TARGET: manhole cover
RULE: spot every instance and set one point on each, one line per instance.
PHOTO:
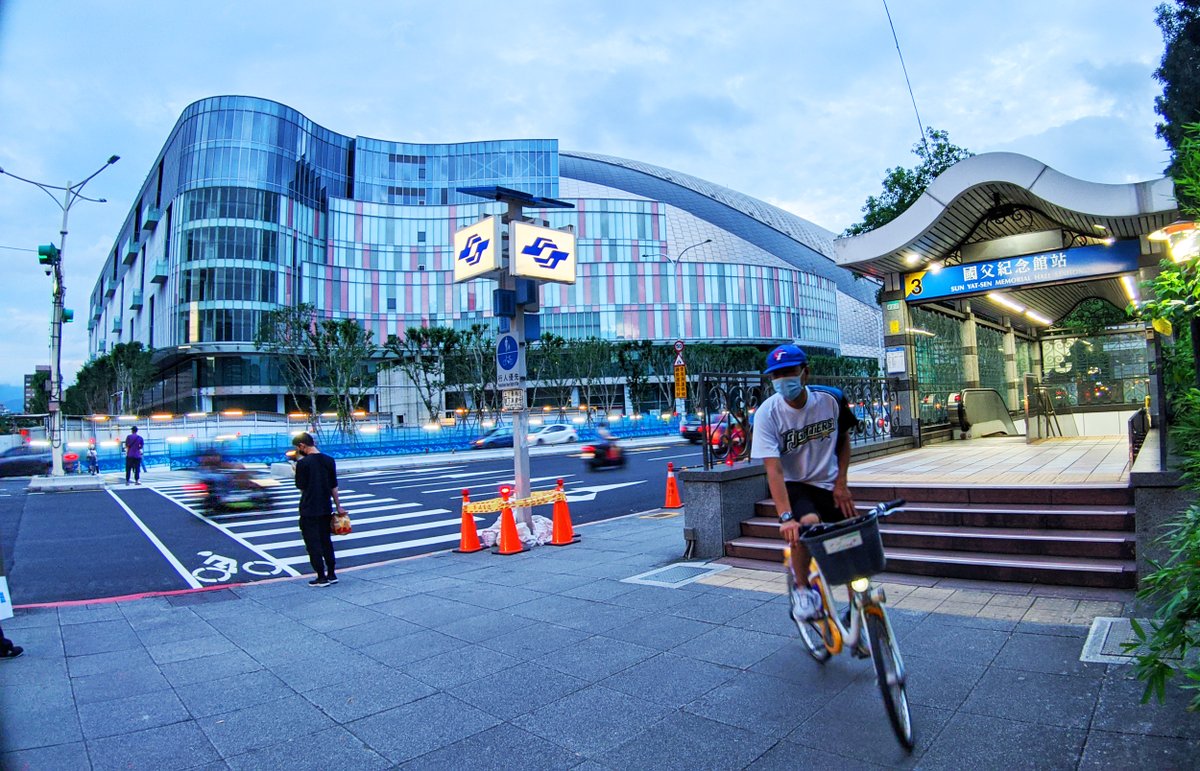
(1106, 641)
(674, 576)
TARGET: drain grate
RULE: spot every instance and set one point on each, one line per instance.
(1105, 642)
(677, 575)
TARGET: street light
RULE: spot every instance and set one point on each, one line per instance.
(1183, 246)
(51, 258)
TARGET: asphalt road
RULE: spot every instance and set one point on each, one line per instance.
(127, 541)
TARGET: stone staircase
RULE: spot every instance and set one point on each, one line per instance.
(1080, 536)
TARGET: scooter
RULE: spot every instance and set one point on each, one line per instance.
(232, 489)
(603, 455)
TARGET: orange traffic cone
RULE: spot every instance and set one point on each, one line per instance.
(673, 501)
(564, 534)
(468, 542)
(510, 542)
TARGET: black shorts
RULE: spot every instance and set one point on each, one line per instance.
(810, 499)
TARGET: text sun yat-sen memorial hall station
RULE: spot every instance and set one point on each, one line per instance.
(1023, 429)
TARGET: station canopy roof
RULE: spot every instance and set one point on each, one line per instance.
(1003, 204)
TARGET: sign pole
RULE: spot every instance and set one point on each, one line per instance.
(521, 416)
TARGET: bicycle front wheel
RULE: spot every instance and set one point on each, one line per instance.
(812, 631)
(889, 673)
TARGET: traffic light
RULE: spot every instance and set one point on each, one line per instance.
(68, 315)
(47, 254)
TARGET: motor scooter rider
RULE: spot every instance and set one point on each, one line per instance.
(608, 442)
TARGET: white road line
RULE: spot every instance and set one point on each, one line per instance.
(375, 533)
(231, 534)
(445, 476)
(503, 481)
(295, 516)
(383, 547)
(175, 563)
(356, 522)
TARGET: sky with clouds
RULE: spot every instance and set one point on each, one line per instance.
(802, 104)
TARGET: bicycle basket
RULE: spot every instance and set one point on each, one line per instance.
(847, 550)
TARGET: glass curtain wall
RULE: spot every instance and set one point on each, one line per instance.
(1098, 369)
(938, 345)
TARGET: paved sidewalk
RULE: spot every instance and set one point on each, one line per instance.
(548, 660)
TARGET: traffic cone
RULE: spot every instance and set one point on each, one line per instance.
(509, 542)
(564, 534)
(673, 501)
(468, 542)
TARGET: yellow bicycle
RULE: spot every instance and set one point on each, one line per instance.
(850, 552)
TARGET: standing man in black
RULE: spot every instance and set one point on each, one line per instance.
(316, 478)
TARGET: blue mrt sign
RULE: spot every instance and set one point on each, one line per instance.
(507, 352)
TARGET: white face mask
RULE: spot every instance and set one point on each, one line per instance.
(789, 387)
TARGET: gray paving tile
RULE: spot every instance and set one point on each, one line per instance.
(262, 725)
(53, 694)
(332, 748)
(977, 741)
(534, 640)
(374, 593)
(190, 671)
(182, 650)
(484, 626)
(716, 609)
(321, 669)
(1120, 710)
(1104, 751)
(99, 637)
(443, 720)
(113, 685)
(854, 724)
(1051, 700)
(1054, 630)
(39, 642)
(554, 609)
(27, 618)
(592, 720)
(769, 617)
(350, 700)
(426, 610)
(602, 617)
(503, 748)
(942, 684)
(650, 598)
(98, 663)
(402, 651)
(89, 614)
(131, 713)
(379, 630)
(60, 757)
(170, 627)
(603, 590)
(731, 646)
(464, 664)
(166, 748)
(23, 729)
(212, 697)
(763, 704)
(517, 690)
(659, 631)
(974, 622)
(597, 657)
(680, 740)
(965, 645)
(670, 680)
(347, 616)
(787, 756)
(793, 662)
(555, 584)
(1042, 653)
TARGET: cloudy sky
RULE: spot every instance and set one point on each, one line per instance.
(797, 102)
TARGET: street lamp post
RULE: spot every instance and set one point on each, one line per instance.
(53, 261)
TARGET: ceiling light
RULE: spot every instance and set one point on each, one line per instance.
(935, 267)
(1039, 318)
(912, 258)
(915, 331)
(1181, 237)
(1131, 290)
(1000, 299)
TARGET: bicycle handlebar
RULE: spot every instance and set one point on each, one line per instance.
(887, 508)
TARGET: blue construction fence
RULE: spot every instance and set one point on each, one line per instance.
(184, 452)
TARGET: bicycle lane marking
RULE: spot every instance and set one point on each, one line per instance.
(284, 568)
(175, 563)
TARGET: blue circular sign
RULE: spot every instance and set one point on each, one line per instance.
(507, 352)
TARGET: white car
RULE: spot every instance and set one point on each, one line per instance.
(555, 433)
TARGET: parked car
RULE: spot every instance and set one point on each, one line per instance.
(500, 436)
(25, 460)
(692, 428)
(553, 433)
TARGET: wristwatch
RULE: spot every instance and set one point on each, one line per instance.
(786, 517)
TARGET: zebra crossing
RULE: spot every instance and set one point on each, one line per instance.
(384, 527)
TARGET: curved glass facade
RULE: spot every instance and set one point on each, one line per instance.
(250, 206)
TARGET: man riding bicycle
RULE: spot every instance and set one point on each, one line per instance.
(802, 435)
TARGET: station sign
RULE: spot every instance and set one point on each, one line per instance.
(1027, 270)
(541, 253)
(477, 249)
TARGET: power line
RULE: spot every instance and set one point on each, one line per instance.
(18, 248)
(920, 125)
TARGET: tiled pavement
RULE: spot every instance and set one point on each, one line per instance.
(548, 660)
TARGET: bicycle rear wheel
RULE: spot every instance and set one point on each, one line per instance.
(813, 631)
(889, 673)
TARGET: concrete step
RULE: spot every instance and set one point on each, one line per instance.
(1019, 515)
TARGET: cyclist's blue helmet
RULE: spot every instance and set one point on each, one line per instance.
(785, 356)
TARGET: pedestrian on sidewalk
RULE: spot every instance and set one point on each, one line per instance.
(133, 456)
(7, 649)
(93, 461)
(316, 479)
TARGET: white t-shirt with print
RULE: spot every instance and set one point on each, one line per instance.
(805, 440)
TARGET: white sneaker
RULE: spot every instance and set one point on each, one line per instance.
(806, 604)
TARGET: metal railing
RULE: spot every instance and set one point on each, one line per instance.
(728, 403)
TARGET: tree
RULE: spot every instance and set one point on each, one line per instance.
(553, 368)
(902, 187)
(474, 368)
(632, 363)
(133, 373)
(588, 361)
(1179, 72)
(127, 369)
(288, 334)
(422, 355)
(343, 349)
